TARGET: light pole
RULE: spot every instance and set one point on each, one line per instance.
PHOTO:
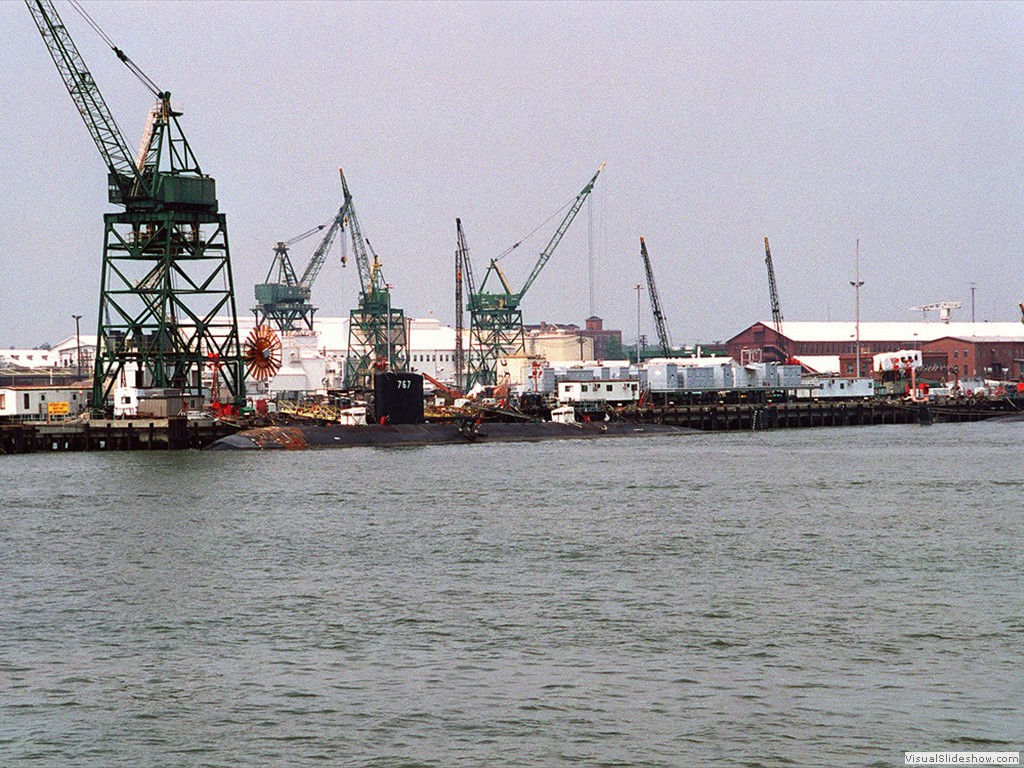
(972, 302)
(78, 343)
(638, 288)
(856, 287)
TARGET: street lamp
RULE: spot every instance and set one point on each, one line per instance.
(78, 343)
(638, 289)
(856, 287)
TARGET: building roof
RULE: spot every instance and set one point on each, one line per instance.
(820, 363)
(984, 339)
(899, 331)
(425, 334)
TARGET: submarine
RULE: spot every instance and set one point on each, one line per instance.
(399, 420)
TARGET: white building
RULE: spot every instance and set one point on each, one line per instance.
(33, 403)
(68, 351)
(29, 358)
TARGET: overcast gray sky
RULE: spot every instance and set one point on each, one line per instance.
(815, 124)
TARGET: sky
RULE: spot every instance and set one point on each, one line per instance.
(815, 124)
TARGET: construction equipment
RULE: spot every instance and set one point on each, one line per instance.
(773, 293)
(496, 320)
(282, 298)
(944, 308)
(463, 272)
(377, 333)
(451, 392)
(659, 317)
(262, 353)
(166, 292)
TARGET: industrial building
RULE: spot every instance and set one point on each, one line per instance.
(950, 350)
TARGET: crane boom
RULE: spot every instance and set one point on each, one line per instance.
(281, 270)
(316, 261)
(773, 292)
(461, 258)
(556, 238)
(124, 175)
(659, 316)
(358, 241)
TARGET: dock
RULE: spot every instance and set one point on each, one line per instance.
(146, 434)
(794, 415)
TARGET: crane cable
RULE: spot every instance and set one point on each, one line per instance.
(304, 235)
(512, 247)
(132, 66)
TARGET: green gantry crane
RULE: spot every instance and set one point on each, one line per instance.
(167, 306)
(284, 298)
(496, 320)
(377, 333)
(281, 298)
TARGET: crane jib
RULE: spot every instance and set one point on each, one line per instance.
(123, 175)
(556, 238)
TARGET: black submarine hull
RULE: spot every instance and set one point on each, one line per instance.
(342, 436)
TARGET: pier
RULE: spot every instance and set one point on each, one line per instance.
(145, 434)
(794, 415)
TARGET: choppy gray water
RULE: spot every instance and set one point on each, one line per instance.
(811, 597)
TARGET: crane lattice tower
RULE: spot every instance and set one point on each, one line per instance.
(167, 305)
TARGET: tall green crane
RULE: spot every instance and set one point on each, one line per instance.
(167, 304)
(377, 333)
(496, 320)
(284, 298)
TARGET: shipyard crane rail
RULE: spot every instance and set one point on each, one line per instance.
(773, 294)
(659, 317)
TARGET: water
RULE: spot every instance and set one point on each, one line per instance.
(809, 597)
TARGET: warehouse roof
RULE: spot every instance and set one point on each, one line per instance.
(903, 331)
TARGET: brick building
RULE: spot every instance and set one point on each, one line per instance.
(949, 350)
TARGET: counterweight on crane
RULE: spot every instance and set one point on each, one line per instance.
(377, 334)
(496, 320)
(773, 292)
(167, 302)
(281, 298)
(659, 317)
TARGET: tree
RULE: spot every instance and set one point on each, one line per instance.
(613, 349)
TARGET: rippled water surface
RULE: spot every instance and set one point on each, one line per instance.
(809, 597)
